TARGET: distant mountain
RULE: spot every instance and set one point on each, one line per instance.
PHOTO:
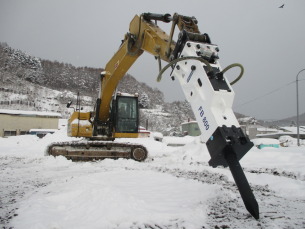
(291, 121)
(14, 64)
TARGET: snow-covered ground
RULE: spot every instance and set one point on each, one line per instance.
(174, 188)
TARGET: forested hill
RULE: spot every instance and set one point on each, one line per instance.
(63, 76)
(51, 74)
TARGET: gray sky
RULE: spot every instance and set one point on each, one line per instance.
(269, 42)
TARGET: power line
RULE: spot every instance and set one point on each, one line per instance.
(266, 94)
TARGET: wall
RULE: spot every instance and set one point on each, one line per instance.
(22, 123)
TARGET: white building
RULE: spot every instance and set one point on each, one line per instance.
(18, 122)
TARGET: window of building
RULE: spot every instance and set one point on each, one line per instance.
(8, 133)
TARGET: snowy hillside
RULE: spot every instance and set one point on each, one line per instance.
(37, 98)
(173, 188)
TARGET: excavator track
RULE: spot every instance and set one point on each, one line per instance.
(97, 150)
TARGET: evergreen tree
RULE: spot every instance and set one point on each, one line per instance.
(144, 101)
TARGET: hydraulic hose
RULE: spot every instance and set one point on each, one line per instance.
(206, 63)
(170, 64)
(232, 66)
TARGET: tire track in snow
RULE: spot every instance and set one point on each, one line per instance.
(17, 181)
(276, 172)
(228, 210)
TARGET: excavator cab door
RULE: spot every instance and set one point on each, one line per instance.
(126, 116)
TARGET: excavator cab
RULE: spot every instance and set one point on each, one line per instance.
(125, 115)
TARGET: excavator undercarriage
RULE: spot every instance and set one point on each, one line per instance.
(96, 150)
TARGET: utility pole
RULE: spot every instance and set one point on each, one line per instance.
(298, 128)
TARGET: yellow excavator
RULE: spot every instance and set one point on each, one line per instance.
(193, 60)
(116, 115)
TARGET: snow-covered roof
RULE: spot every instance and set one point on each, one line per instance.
(184, 123)
(29, 113)
(265, 141)
(267, 129)
(42, 130)
(246, 119)
(127, 94)
(293, 129)
(143, 130)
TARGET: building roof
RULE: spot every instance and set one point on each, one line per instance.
(43, 130)
(264, 141)
(267, 129)
(289, 130)
(143, 130)
(293, 129)
(188, 122)
(29, 113)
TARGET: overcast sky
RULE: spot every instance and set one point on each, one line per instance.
(268, 41)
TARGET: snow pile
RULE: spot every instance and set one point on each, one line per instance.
(289, 141)
(31, 145)
(177, 141)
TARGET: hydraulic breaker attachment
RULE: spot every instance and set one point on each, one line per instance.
(226, 147)
(195, 65)
(242, 183)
